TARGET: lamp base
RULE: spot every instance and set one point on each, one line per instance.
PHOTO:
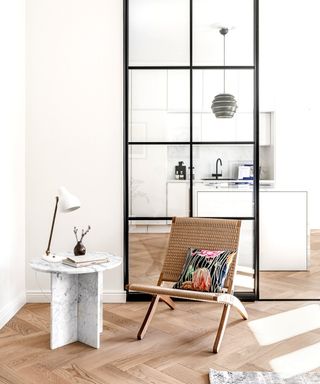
(52, 258)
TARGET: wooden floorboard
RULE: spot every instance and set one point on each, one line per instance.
(175, 350)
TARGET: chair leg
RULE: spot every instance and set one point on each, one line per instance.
(167, 299)
(240, 308)
(149, 315)
(230, 299)
(221, 328)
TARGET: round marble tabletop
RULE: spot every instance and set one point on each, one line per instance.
(44, 266)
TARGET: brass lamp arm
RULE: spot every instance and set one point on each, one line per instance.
(52, 225)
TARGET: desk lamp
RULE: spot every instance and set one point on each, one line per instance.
(67, 203)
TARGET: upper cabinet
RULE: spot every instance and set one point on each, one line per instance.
(159, 32)
(265, 128)
(208, 17)
(240, 130)
(159, 105)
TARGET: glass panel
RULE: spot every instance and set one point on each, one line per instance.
(159, 105)
(244, 281)
(159, 32)
(208, 17)
(155, 190)
(232, 194)
(208, 84)
(148, 242)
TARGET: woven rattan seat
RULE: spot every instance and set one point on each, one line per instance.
(213, 234)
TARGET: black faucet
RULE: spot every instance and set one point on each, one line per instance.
(217, 174)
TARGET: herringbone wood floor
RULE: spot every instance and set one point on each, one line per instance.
(148, 251)
(295, 284)
(176, 349)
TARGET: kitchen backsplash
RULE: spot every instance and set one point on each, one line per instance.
(204, 160)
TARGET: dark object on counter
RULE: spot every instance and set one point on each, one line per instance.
(80, 249)
(181, 171)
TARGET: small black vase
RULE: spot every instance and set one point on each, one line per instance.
(79, 249)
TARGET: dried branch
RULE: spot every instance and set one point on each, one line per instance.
(85, 232)
(75, 230)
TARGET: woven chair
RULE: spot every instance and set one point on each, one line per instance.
(213, 234)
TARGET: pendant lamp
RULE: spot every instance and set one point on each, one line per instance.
(224, 104)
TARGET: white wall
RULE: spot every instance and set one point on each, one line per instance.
(12, 157)
(74, 129)
(289, 85)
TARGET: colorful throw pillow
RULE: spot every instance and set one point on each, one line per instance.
(205, 270)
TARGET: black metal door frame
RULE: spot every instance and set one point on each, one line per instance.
(246, 296)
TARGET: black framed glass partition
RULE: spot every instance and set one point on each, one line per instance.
(181, 158)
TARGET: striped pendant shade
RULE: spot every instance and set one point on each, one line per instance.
(224, 106)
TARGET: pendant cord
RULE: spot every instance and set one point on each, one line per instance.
(224, 63)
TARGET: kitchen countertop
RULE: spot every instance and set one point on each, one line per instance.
(244, 188)
(199, 181)
(228, 186)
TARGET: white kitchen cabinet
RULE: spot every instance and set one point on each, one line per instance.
(283, 231)
(283, 225)
(178, 198)
(148, 90)
(244, 128)
(208, 128)
(224, 203)
(178, 91)
(147, 177)
(265, 128)
(213, 129)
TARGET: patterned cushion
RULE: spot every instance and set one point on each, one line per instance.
(205, 270)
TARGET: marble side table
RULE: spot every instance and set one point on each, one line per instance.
(76, 300)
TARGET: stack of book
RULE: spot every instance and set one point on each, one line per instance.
(85, 260)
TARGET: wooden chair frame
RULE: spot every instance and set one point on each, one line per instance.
(213, 234)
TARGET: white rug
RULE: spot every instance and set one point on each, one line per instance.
(226, 377)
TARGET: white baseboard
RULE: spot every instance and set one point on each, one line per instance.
(11, 309)
(38, 296)
(114, 297)
(45, 296)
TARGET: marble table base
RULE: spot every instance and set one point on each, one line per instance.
(76, 309)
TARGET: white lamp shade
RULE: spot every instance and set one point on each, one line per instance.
(67, 201)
